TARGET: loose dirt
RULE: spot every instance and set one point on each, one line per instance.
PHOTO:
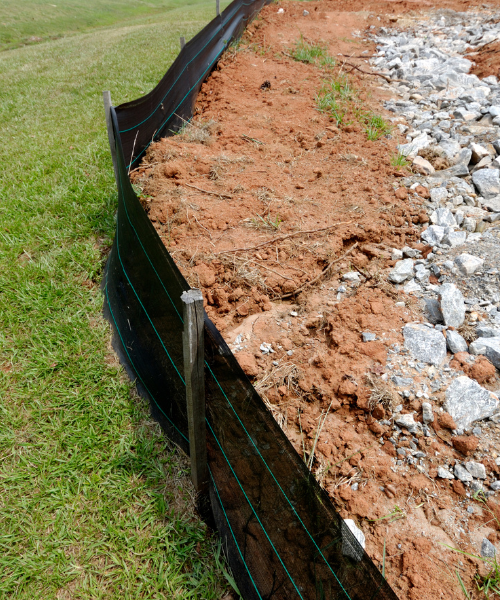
(285, 219)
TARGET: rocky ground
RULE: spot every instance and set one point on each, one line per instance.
(353, 263)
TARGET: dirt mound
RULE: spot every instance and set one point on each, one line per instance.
(487, 60)
(282, 202)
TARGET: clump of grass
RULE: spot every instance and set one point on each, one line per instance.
(399, 161)
(376, 127)
(311, 53)
(198, 132)
(381, 393)
(267, 222)
(489, 584)
(336, 97)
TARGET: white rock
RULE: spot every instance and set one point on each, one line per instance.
(439, 194)
(423, 166)
(433, 235)
(489, 347)
(478, 153)
(468, 264)
(445, 474)
(407, 421)
(487, 182)
(467, 401)
(427, 414)
(455, 342)
(402, 271)
(425, 343)
(476, 469)
(351, 276)
(451, 302)
(443, 217)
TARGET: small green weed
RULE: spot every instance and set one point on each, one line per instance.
(375, 126)
(395, 514)
(311, 53)
(490, 583)
(260, 222)
(335, 98)
(400, 161)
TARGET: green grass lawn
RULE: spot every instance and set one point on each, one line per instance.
(93, 502)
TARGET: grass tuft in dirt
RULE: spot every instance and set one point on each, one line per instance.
(382, 392)
(400, 161)
(375, 126)
(198, 132)
(311, 53)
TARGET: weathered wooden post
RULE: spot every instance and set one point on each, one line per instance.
(217, 7)
(183, 41)
(194, 360)
(106, 96)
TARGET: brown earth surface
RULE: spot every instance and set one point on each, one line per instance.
(265, 203)
(487, 60)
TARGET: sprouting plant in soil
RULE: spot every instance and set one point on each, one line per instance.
(399, 161)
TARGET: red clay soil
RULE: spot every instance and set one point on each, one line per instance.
(487, 60)
(265, 204)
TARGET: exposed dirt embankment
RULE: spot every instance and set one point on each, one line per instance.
(282, 202)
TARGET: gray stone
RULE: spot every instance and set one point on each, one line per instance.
(396, 254)
(488, 550)
(467, 401)
(462, 473)
(455, 238)
(445, 474)
(352, 276)
(443, 217)
(411, 149)
(458, 170)
(402, 271)
(427, 414)
(455, 342)
(433, 235)
(421, 273)
(451, 302)
(420, 165)
(468, 264)
(412, 286)
(469, 224)
(478, 153)
(353, 540)
(489, 347)
(439, 194)
(410, 252)
(425, 344)
(402, 381)
(492, 217)
(487, 332)
(487, 182)
(407, 421)
(476, 469)
(368, 336)
(432, 311)
(492, 204)
(495, 486)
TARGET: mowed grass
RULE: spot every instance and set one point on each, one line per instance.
(32, 21)
(93, 501)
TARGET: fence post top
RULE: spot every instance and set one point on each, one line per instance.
(192, 295)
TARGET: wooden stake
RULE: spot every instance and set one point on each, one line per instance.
(183, 41)
(106, 96)
(217, 7)
(194, 376)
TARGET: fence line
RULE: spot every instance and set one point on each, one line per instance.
(282, 536)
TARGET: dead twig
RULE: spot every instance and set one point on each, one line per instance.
(281, 238)
(272, 270)
(207, 191)
(388, 79)
(322, 274)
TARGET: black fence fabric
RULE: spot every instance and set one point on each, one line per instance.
(283, 537)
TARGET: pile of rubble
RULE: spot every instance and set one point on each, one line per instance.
(451, 120)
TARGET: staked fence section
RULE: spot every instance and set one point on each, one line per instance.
(282, 535)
